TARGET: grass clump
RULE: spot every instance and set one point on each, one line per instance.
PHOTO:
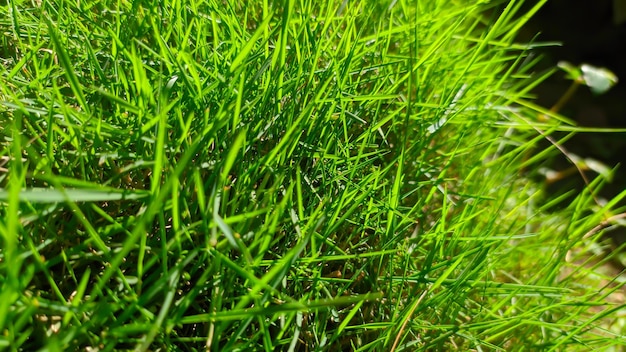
(283, 176)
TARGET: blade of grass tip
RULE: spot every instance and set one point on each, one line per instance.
(287, 137)
(447, 273)
(237, 145)
(346, 321)
(138, 50)
(524, 18)
(219, 221)
(280, 54)
(117, 100)
(66, 63)
(16, 25)
(250, 44)
(189, 59)
(296, 334)
(17, 67)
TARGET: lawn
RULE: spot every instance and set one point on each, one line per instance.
(290, 175)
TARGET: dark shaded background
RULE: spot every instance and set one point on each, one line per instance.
(592, 32)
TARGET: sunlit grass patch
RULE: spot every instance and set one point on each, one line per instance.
(284, 176)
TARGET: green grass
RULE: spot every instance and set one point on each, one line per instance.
(290, 175)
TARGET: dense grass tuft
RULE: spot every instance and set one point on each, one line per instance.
(289, 175)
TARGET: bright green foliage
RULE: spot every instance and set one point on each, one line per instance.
(282, 175)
